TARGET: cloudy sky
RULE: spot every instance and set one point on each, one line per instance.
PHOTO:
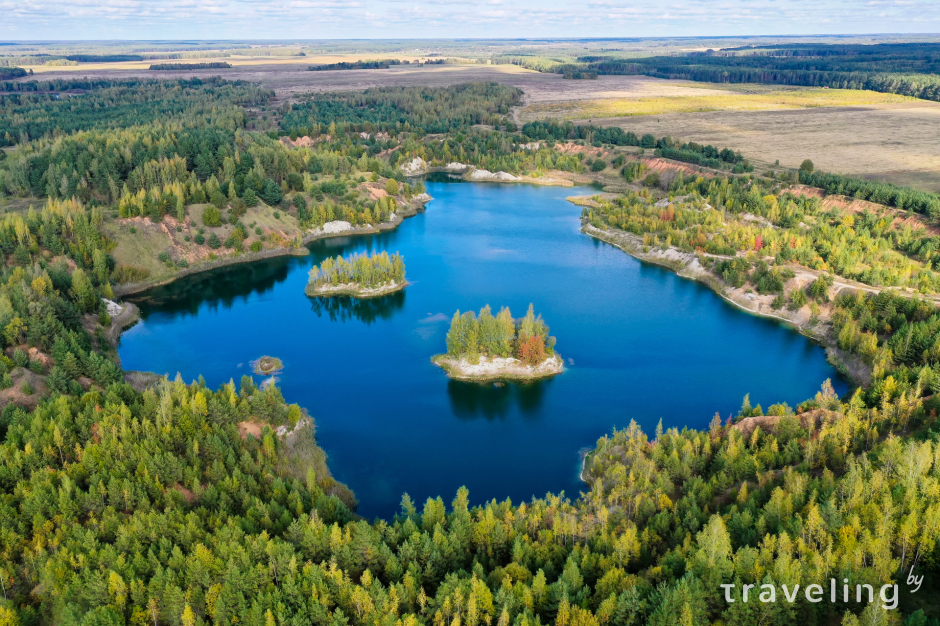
(394, 19)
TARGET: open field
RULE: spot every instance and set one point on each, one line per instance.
(235, 60)
(892, 142)
(288, 76)
(711, 98)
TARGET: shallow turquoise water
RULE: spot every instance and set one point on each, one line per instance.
(642, 343)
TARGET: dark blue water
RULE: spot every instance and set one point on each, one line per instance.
(645, 345)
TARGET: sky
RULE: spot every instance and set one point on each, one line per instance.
(398, 19)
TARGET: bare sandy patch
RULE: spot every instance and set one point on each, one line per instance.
(496, 368)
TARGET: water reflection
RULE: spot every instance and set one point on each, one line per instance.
(223, 286)
(495, 400)
(346, 308)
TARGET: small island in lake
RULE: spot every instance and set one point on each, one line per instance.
(267, 365)
(362, 276)
(499, 347)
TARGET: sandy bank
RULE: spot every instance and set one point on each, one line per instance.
(470, 173)
(498, 368)
(355, 290)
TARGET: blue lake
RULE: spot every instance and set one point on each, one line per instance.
(642, 343)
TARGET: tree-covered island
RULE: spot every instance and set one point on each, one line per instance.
(362, 276)
(488, 347)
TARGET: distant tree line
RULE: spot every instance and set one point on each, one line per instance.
(9, 73)
(215, 65)
(382, 64)
(104, 58)
(909, 69)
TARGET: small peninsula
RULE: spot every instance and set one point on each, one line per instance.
(361, 276)
(489, 348)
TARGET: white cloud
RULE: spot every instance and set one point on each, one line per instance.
(328, 19)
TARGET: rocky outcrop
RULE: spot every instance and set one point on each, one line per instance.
(416, 167)
(456, 168)
(485, 175)
(336, 226)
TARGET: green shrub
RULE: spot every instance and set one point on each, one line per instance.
(200, 238)
(250, 198)
(256, 246)
(598, 165)
(271, 193)
(214, 241)
(631, 171)
(21, 256)
(733, 271)
(295, 181)
(36, 366)
(20, 358)
(769, 280)
(218, 199)
(798, 299)
(819, 288)
(26, 388)
(212, 217)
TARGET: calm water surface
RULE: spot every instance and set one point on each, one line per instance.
(642, 345)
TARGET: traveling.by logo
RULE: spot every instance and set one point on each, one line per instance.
(815, 593)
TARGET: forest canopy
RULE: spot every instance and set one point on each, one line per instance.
(526, 339)
(63, 107)
(179, 504)
(427, 109)
(365, 271)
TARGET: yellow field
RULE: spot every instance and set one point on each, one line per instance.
(750, 99)
(235, 60)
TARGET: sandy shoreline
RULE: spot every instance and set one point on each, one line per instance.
(355, 291)
(494, 369)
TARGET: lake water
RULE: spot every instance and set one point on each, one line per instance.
(642, 344)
